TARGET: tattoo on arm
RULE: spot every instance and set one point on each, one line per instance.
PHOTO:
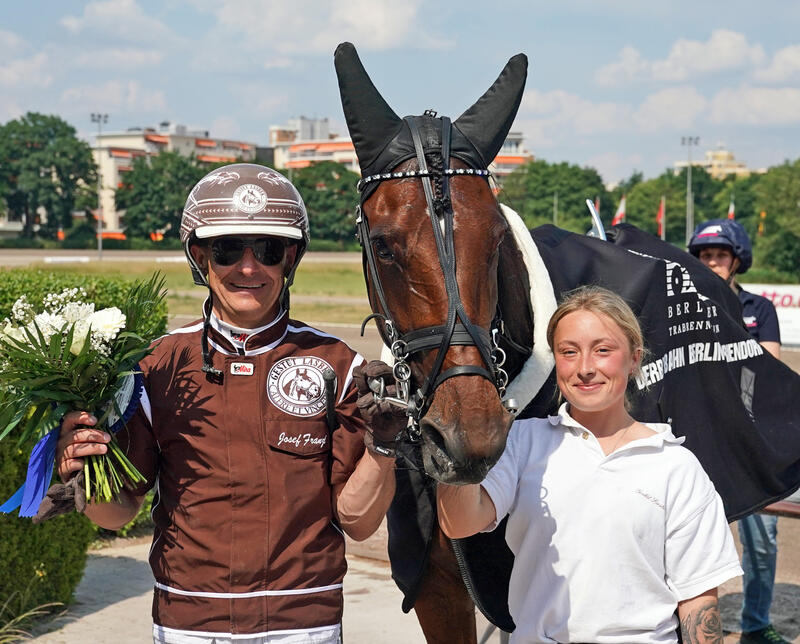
(701, 623)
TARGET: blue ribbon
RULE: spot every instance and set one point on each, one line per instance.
(40, 471)
(40, 465)
(14, 501)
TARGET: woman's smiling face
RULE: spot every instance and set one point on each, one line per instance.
(594, 360)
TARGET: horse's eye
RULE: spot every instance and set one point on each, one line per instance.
(382, 249)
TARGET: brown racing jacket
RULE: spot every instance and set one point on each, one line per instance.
(245, 539)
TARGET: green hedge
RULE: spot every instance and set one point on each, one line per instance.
(38, 563)
(45, 562)
(103, 291)
(24, 242)
(758, 275)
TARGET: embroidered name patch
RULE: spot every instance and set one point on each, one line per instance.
(295, 385)
(301, 440)
(242, 369)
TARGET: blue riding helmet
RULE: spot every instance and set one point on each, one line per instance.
(726, 233)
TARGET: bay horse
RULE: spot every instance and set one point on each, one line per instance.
(439, 315)
(463, 292)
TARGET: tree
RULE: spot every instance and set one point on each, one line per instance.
(155, 192)
(537, 188)
(704, 189)
(44, 167)
(643, 200)
(329, 191)
(625, 186)
(741, 191)
(777, 193)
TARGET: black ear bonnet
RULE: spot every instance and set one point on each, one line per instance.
(383, 140)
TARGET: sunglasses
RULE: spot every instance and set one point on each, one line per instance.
(269, 251)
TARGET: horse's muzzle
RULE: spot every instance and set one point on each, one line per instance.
(463, 447)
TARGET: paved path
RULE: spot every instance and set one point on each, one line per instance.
(112, 602)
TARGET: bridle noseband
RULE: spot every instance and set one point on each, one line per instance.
(457, 330)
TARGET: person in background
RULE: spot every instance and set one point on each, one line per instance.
(724, 246)
(614, 525)
(254, 487)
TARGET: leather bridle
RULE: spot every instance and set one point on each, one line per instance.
(457, 330)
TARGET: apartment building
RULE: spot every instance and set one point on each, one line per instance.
(115, 152)
(719, 163)
(303, 141)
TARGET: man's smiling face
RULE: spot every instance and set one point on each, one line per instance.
(246, 292)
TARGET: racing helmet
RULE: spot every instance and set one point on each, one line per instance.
(725, 233)
(244, 199)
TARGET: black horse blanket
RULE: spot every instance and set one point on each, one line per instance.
(738, 407)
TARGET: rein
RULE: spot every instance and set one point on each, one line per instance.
(457, 330)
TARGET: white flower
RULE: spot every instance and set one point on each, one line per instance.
(106, 323)
(79, 333)
(55, 303)
(48, 324)
(77, 311)
(22, 311)
(13, 332)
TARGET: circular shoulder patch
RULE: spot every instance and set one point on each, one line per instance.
(295, 385)
(250, 198)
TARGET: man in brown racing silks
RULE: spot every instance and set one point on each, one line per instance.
(254, 488)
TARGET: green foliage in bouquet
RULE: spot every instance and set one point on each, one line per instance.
(65, 355)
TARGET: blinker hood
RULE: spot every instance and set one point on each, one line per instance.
(383, 140)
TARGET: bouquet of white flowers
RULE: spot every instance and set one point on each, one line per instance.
(64, 355)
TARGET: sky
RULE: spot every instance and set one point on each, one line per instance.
(612, 84)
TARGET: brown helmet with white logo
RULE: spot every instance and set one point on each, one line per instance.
(244, 199)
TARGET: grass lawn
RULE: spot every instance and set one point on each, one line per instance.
(319, 279)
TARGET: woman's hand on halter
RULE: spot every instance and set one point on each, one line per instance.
(385, 421)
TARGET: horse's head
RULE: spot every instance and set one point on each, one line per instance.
(431, 230)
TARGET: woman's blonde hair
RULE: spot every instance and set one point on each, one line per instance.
(597, 299)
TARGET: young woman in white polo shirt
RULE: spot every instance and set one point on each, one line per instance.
(612, 523)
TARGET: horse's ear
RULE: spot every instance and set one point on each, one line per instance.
(372, 123)
(488, 121)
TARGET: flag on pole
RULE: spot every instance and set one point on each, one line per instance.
(619, 216)
(660, 216)
(731, 210)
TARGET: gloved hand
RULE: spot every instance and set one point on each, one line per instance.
(384, 421)
(62, 498)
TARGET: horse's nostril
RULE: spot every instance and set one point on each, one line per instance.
(438, 435)
(433, 430)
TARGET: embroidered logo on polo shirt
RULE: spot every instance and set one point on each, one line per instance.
(650, 498)
(295, 385)
(242, 369)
